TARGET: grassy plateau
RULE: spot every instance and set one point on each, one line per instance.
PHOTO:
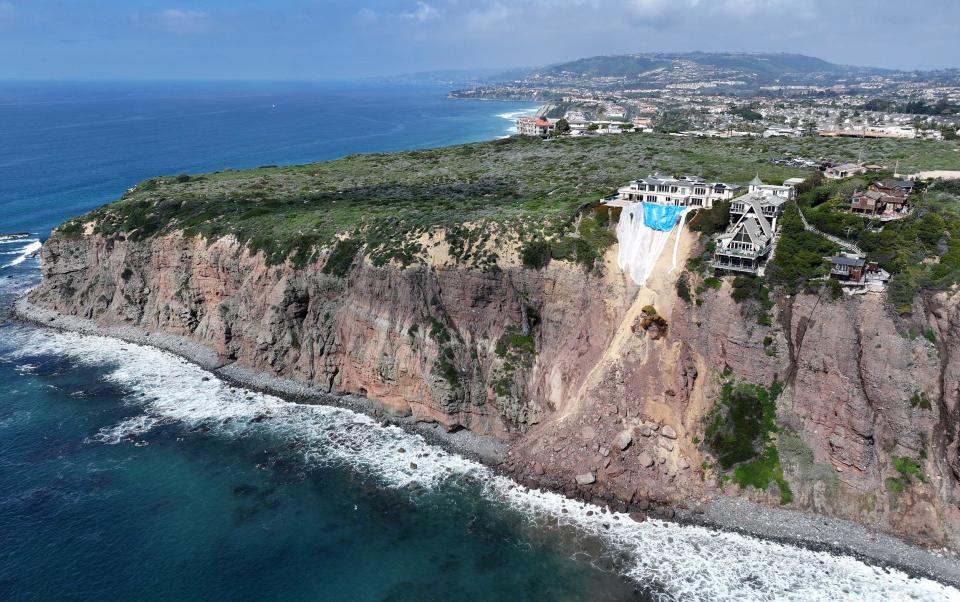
(481, 197)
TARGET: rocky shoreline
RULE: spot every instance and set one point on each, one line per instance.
(732, 514)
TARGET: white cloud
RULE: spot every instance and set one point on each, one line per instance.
(727, 8)
(367, 15)
(422, 12)
(174, 20)
(490, 17)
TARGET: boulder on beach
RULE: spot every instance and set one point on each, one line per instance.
(587, 478)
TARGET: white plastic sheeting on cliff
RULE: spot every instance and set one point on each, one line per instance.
(643, 232)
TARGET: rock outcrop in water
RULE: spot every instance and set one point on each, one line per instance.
(556, 362)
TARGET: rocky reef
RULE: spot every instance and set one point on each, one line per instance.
(599, 388)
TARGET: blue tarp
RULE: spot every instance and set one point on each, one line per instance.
(661, 217)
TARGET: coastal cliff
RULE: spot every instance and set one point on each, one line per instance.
(599, 388)
(476, 289)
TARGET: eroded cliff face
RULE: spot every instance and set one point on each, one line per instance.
(593, 397)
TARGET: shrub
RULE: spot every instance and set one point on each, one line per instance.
(920, 400)
(438, 332)
(683, 288)
(514, 341)
(71, 229)
(341, 257)
(711, 221)
(536, 254)
(799, 255)
(447, 370)
(741, 431)
(909, 469)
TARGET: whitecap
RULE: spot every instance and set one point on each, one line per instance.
(514, 115)
(6, 239)
(25, 253)
(680, 561)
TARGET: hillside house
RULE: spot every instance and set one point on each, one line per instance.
(895, 192)
(769, 198)
(886, 198)
(536, 126)
(684, 191)
(844, 170)
(868, 203)
(854, 271)
(746, 245)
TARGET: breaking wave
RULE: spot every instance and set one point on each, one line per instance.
(514, 115)
(24, 253)
(682, 562)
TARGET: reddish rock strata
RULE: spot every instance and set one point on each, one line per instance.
(610, 407)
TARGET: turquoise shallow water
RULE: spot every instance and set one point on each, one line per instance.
(128, 473)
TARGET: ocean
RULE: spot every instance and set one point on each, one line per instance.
(126, 472)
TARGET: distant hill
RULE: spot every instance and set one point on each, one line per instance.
(698, 66)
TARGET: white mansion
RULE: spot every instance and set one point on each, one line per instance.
(685, 191)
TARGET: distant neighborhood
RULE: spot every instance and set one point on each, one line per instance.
(736, 94)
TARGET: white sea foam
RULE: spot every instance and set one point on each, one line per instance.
(514, 115)
(7, 239)
(17, 285)
(25, 252)
(686, 562)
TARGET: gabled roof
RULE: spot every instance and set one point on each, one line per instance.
(760, 218)
(764, 200)
(855, 262)
(906, 184)
(870, 194)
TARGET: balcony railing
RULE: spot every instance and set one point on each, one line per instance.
(743, 252)
(750, 269)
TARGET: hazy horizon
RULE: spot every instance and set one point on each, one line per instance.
(313, 40)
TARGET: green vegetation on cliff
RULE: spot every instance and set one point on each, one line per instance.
(741, 431)
(921, 251)
(485, 196)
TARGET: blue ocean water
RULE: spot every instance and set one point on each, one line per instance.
(176, 513)
(126, 472)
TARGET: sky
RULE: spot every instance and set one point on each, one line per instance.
(333, 39)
